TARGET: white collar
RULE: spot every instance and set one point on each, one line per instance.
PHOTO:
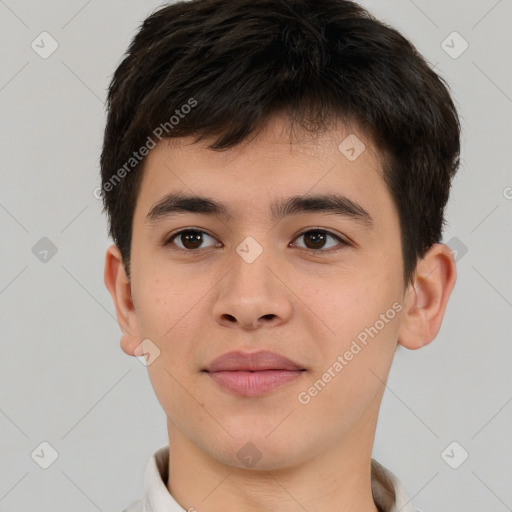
(158, 499)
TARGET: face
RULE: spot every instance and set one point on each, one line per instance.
(320, 284)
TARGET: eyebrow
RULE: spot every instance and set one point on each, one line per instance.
(175, 203)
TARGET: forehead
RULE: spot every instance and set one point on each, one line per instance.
(269, 167)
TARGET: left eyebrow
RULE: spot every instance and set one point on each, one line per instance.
(175, 203)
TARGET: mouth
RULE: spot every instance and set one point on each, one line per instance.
(252, 362)
(253, 383)
(253, 374)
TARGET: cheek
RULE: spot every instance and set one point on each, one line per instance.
(363, 319)
(348, 301)
(168, 299)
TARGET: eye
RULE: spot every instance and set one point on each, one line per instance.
(316, 239)
(190, 239)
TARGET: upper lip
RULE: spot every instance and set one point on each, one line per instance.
(252, 361)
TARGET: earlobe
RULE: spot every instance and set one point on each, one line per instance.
(119, 287)
(426, 300)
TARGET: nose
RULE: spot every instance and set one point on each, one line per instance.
(253, 295)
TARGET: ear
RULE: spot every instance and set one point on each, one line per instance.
(426, 299)
(120, 289)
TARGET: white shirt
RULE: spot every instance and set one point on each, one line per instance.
(158, 499)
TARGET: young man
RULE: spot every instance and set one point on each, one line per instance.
(275, 174)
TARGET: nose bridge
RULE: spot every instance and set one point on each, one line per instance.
(250, 276)
(250, 263)
(250, 293)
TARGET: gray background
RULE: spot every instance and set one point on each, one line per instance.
(63, 377)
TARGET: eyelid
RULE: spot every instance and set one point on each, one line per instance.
(324, 230)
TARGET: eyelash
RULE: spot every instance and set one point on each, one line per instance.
(169, 240)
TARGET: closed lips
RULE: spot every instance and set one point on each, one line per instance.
(252, 362)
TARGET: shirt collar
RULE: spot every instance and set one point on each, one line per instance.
(388, 492)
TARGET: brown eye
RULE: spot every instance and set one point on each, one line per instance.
(316, 239)
(190, 239)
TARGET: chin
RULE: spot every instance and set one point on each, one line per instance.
(259, 452)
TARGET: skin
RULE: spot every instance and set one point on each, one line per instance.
(308, 307)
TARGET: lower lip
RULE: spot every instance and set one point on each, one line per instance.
(254, 383)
